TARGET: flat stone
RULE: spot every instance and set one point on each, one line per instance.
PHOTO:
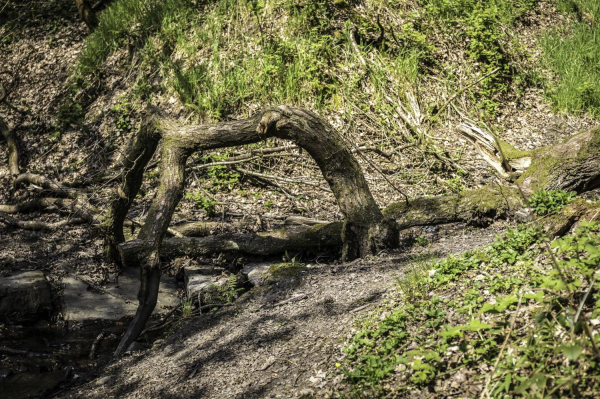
(24, 295)
(197, 280)
(257, 272)
(81, 302)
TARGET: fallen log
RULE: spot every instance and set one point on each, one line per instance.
(292, 238)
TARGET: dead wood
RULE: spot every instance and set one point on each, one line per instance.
(48, 185)
(571, 166)
(293, 238)
(72, 207)
(36, 224)
(13, 150)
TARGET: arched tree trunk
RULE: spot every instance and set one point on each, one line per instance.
(365, 230)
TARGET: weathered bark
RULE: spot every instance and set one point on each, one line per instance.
(36, 224)
(134, 164)
(475, 207)
(292, 238)
(151, 234)
(365, 230)
(48, 185)
(571, 166)
(13, 150)
(87, 13)
(73, 207)
(567, 218)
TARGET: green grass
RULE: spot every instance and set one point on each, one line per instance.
(221, 57)
(453, 319)
(225, 59)
(573, 54)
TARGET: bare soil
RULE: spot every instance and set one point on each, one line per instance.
(281, 341)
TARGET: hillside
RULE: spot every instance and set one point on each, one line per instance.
(401, 82)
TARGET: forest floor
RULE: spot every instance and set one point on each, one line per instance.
(279, 341)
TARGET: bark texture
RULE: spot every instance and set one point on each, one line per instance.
(292, 238)
(139, 154)
(571, 166)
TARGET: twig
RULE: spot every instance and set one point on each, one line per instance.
(355, 46)
(381, 30)
(557, 267)
(586, 324)
(95, 345)
(380, 172)
(102, 290)
(160, 323)
(583, 300)
(285, 179)
(458, 93)
(292, 299)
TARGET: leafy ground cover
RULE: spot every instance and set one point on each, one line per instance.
(517, 318)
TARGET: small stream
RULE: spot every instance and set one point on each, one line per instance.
(36, 359)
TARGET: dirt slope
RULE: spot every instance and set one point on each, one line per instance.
(264, 347)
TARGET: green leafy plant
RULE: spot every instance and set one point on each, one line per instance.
(187, 306)
(546, 202)
(205, 203)
(232, 292)
(465, 318)
(122, 114)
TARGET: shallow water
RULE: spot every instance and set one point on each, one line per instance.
(36, 359)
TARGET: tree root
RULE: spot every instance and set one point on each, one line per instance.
(37, 225)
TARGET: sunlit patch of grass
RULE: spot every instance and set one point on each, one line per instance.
(574, 57)
(511, 320)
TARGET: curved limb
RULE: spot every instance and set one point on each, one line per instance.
(365, 231)
(152, 234)
(134, 164)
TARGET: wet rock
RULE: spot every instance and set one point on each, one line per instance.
(24, 295)
(257, 273)
(199, 279)
(80, 302)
